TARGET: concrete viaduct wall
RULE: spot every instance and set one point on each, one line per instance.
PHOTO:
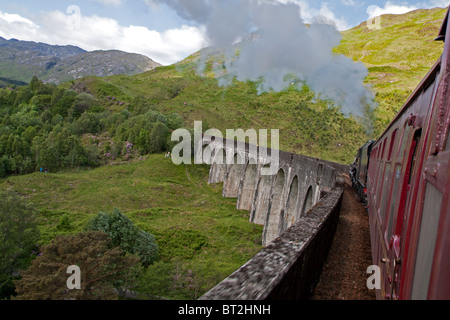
(298, 206)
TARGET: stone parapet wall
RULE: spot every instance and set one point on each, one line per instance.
(290, 266)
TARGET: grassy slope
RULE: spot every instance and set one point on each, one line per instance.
(195, 227)
(306, 127)
(17, 72)
(398, 56)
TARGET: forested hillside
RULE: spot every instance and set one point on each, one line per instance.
(56, 128)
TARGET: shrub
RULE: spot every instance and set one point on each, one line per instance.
(83, 102)
(126, 235)
(102, 269)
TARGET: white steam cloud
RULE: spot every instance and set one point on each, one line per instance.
(283, 51)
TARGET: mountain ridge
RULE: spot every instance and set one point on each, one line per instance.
(21, 60)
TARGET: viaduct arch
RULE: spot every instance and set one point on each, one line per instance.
(275, 201)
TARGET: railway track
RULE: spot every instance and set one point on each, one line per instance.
(344, 274)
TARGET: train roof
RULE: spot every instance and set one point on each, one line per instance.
(442, 32)
(368, 143)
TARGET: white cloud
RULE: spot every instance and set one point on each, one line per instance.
(323, 15)
(325, 12)
(15, 26)
(349, 3)
(14, 18)
(100, 33)
(389, 8)
(109, 2)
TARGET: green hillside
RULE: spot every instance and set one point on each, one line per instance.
(398, 56)
(101, 153)
(202, 237)
(306, 127)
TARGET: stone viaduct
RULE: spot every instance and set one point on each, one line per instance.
(298, 201)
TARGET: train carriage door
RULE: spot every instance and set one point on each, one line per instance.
(394, 245)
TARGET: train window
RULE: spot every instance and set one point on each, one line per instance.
(427, 241)
(397, 172)
(391, 147)
(386, 190)
(380, 172)
(402, 148)
(384, 147)
(379, 180)
(417, 136)
(447, 144)
(373, 164)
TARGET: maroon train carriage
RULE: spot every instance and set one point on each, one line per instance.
(408, 191)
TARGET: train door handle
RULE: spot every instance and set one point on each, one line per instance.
(397, 262)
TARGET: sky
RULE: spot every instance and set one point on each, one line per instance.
(167, 31)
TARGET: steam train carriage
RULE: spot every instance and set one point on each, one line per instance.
(408, 190)
(358, 170)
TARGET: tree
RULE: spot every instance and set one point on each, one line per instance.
(141, 105)
(82, 102)
(143, 141)
(41, 102)
(60, 149)
(62, 100)
(102, 269)
(18, 237)
(87, 123)
(125, 234)
(34, 83)
(158, 137)
(174, 121)
(24, 95)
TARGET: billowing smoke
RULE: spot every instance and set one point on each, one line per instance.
(282, 51)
